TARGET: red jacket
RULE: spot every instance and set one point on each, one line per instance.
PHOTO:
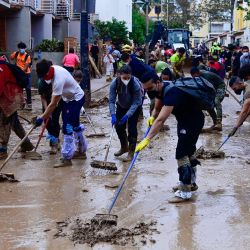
(11, 95)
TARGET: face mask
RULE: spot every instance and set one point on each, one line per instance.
(245, 53)
(126, 82)
(48, 81)
(22, 51)
(238, 91)
(153, 94)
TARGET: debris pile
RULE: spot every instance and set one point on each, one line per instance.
(201, 153)
(91, 233)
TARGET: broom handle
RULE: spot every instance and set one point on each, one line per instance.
(110, 139)
(126, 176)
(41, 134)
(16, 147)
(91, 123)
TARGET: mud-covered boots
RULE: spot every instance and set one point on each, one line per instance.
(124, 147)
(131, 150)
(218, 126)
(26, 146)
(63, 163)
(3, 153)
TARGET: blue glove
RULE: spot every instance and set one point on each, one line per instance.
(38, 121)
(113, 120)
(123, 120)
(69, 129)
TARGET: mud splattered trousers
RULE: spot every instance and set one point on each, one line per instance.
(188, 131)
(8, 123)
(72, 129)
(217, 115)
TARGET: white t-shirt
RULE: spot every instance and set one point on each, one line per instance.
(65, 85)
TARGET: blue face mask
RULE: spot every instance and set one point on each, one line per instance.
(22, 51)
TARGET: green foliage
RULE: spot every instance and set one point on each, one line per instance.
(50, 46)
(247, 10)
(138, 34)
(114, 30)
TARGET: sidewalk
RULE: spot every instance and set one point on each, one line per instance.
(96, 84)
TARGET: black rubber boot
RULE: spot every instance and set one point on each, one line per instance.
(124, 146)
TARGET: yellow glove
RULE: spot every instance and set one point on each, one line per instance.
(143, 144)
(150, 121)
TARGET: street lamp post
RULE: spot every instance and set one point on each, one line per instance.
(84, 51)
(147, 33)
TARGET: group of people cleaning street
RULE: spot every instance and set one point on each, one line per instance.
(163, 82)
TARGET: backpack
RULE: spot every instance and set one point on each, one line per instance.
(198, 87)
(25, 58)
(22, 79)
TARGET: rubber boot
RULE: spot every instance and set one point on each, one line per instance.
(3, 155)
(26, 146)
(63, 163)
(208, 130)
(80, 155)
(124, 146)
(131, 150)
(218, 126)
(53, 149)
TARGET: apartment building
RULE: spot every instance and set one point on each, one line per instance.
(31, 21)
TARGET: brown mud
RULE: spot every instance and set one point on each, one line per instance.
(218, 218)
(87, 232)
(201, 153)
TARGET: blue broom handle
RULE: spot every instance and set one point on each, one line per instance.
(126, 175)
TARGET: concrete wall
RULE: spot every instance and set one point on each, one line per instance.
(18, 28)
(60, 29)
(74, 29)
(121, 10)
(41, 27)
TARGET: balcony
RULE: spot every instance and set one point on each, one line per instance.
(59, 8)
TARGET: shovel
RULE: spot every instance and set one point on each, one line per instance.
(33, 155)
(14, 151)
(109, 218)
(104, 164)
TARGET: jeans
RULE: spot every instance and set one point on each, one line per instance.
(28, 90)
(132, 124)
(71, 114)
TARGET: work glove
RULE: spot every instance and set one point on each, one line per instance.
(150, 121)
(143, 144)
(233, 132)
(123, 120)
(113, 120)
(37, 121)
(69, 129)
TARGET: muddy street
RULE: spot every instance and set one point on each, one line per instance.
(217, 218)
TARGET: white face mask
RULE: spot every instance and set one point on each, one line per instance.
(125, 81)
(245, 53)
(48, 81)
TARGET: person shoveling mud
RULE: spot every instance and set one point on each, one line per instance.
(91, 233)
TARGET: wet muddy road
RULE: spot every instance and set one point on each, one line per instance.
(217, 218)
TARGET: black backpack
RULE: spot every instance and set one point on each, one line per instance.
(21, 78)
(25, 58)
(199, 88)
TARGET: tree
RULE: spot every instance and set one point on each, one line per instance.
(114, 30)
(217, 10)
(138, 34)
(182, 13)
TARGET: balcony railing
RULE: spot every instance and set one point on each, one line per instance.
(60, 8)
